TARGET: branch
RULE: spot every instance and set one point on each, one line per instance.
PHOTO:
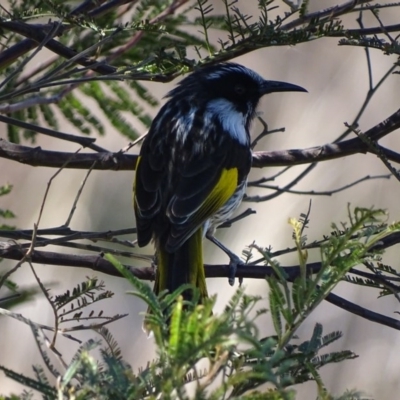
(329, 151)
(37, 33)
(99, 264)
(365, 31)
(83, 141)
(36, 157)
(362, 312)
(330, 12)
(95, 262)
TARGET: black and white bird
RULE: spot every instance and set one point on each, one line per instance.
(192, 171)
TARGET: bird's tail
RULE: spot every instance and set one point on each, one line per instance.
(185, 265)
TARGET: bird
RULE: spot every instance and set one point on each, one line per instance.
(191, 173)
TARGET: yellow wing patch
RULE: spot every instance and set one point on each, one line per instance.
(220, 194)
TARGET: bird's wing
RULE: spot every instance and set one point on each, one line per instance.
(151, 169)
(178, 200)
(205, 184)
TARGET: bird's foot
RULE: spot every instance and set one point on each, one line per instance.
(234, 261)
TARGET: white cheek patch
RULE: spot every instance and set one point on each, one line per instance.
(231, 120)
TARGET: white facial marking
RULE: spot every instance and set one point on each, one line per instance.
(231, 120)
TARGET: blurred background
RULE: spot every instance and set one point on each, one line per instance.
(336, 78)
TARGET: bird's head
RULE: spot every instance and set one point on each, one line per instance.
(233, 85)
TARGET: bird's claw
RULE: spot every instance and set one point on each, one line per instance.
(234, 261)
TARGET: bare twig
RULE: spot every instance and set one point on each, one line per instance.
(83, 141)
(244, 214)
(313, 192)
(330, 13)
(49, 36)
(372, 145)
(65, 241)
(9, 108)
(78, 195)
(264, 132)
(65, 231)
(362, 312)
(6, 275)
(134, 143)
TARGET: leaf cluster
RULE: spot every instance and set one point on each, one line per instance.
(101, 52)
(349, 245)
(205, 355)
(196, 352)
(6, 214)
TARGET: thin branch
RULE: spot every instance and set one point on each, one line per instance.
(6, 275)
(65, 241)
(27, 321)
(312, 192)
(362, 312)
(93, 262)
(64, 231)
(78, 195)
(286, 188)
(9, 298)
(9, 108)
(49, 36)
(83, 141)
(103, 8)
(366, 31)
(38, 34)
(329, 151)
(87, 6)
(48, 298)
(367, 53)
(79, 58)
(265, 132)
(372, 145)
(134, 143)
(330, 12)
(230, 222)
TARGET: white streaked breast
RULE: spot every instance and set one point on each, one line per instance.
(231, 120)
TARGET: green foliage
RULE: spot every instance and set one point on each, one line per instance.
(100, 53)
(349, 244)
(237, 361)
(6, 214)
(229, 343)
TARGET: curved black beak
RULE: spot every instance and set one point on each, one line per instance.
(276, 86)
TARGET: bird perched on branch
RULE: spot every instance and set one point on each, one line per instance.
(192, 171)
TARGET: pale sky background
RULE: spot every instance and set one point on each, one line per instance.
(337, 80)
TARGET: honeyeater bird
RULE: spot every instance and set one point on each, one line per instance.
(192, 169)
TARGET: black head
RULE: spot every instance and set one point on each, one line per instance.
(233, 82)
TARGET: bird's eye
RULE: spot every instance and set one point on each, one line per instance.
(240, 89)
